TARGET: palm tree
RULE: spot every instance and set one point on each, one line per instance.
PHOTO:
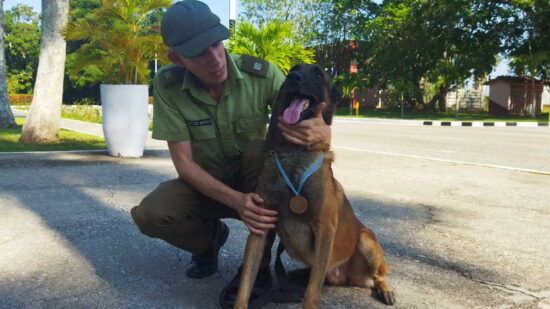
(42, 122)
(6, 116)
(121, 40)
(273, 42)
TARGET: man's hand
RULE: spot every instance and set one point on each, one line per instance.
(258, 220)
(309, 133)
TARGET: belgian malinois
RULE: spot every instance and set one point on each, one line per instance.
(317, 224)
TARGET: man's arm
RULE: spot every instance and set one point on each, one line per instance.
(257, 219)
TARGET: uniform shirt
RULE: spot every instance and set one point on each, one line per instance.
(219, 132)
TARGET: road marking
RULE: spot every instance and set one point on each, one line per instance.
(518, 169)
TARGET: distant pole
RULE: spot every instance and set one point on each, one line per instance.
(232, 15)
(402, 106)
(457, 104)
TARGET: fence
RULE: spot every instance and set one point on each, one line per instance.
(471, 100)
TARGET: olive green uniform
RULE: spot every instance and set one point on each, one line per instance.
(220, 134)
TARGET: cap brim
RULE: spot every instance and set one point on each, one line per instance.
(195, 46)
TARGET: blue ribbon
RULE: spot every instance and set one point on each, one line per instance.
(310, 170)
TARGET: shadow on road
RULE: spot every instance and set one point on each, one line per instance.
(85, 202)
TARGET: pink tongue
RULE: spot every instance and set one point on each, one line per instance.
(292, 113)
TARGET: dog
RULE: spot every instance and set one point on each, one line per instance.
(324, 234)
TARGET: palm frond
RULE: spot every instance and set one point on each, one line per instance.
(120, 40)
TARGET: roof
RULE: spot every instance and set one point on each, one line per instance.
(514, 80)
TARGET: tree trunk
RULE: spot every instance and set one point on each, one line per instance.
(439, 97)
(42, 123)
(6, 116)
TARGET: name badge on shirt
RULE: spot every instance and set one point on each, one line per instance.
(198, 123)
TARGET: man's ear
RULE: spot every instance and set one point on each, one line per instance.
(175, 58)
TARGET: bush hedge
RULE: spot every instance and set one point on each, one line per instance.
(20, 99)
(26, 100)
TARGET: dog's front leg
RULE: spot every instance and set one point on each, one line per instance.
(324, 239)
(252, 256)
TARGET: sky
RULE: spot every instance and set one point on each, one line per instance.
(221, 8)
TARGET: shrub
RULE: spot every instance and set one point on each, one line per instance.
(20, 99)
(120, 41)
(84, 112)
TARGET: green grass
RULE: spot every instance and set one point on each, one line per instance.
(82, 112)
(442, 116)
(85, 113)
(69, 140)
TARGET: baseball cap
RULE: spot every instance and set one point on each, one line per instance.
(189, 27)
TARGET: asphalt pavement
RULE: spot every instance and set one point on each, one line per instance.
(460, 229)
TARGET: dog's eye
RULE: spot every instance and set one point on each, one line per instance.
(319, 75)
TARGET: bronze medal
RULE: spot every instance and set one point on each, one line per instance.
(298, 204)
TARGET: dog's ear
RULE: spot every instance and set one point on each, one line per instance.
(335, 96)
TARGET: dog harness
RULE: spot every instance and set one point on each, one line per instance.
(298, 204)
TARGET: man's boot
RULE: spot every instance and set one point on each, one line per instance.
(207, 264)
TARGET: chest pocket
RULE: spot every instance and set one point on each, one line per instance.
(251, 125)
(201, 133)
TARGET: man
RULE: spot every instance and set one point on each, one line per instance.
(209, 106)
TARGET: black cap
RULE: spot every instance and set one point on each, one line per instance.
(189, 27)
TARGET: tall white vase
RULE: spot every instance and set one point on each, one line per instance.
(125, 120)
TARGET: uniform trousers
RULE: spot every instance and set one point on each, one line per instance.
(187, 219)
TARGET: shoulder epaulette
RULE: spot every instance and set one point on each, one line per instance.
(254, 66)
(171, 76)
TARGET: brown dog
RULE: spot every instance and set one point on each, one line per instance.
(326, 235)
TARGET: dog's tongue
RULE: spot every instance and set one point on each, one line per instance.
(291, 115)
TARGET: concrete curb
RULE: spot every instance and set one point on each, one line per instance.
(484, 124)
(438, 123)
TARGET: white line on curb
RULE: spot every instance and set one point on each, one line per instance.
(448, 161)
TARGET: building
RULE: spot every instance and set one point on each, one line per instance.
(511, 95)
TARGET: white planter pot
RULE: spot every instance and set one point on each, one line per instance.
(125, 120)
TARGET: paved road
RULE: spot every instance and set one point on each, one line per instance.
(462, 213)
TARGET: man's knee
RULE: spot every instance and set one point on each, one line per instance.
(162, 209)
(146, 221)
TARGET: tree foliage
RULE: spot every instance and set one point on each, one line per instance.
(273, 42)
(120, 41)
(22, 45)
(301, 14)
(531, 53)
(417, 50)
(411, 42)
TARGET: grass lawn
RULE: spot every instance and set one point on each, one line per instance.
(86, 113)
(69, 140)
(443, 116)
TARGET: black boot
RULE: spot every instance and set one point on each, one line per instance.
(206, 264)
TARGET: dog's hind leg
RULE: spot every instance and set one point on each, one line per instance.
(253, 254)
(377, 268)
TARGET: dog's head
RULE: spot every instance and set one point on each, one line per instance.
(305, 87)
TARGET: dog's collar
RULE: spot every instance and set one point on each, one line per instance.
(309, 171)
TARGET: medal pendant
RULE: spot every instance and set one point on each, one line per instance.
(298, 204)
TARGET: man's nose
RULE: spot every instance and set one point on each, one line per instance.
(211, 55)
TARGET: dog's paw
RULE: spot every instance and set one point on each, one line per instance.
(386, 296)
